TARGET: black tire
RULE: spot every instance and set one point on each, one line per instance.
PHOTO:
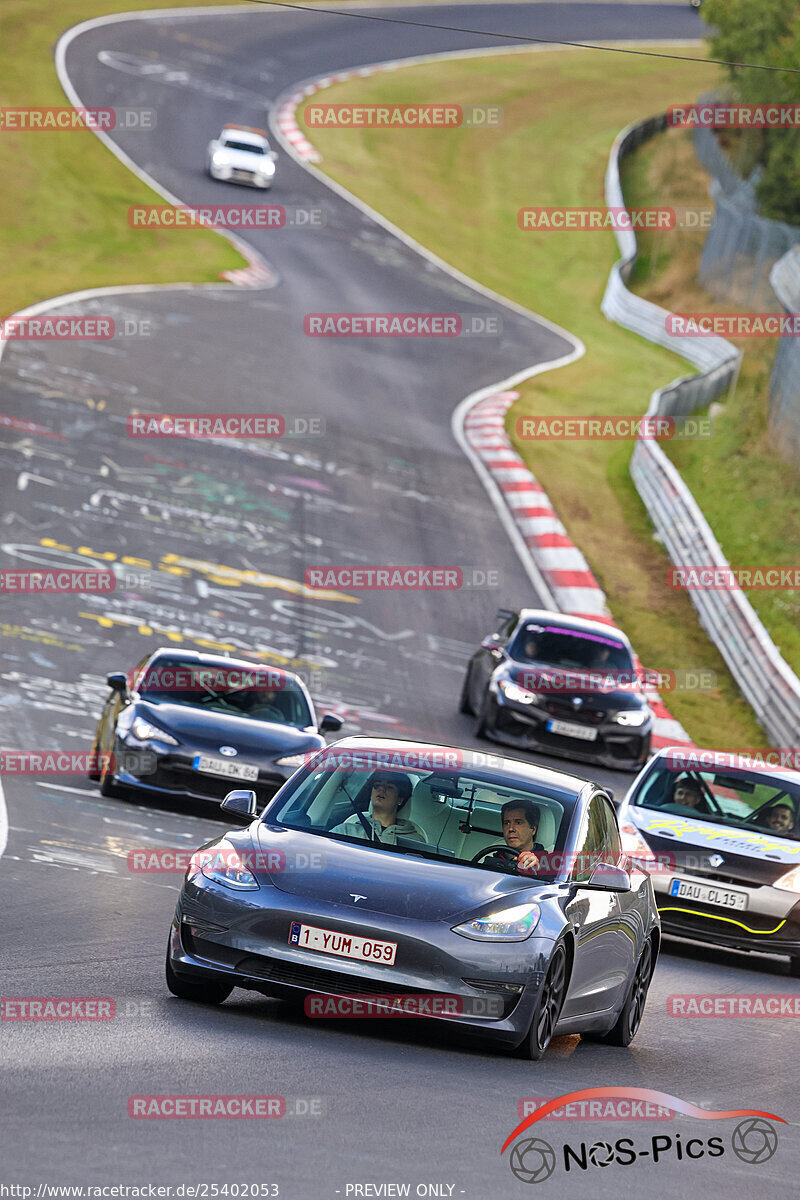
(107, 786)
(94, 775)
(627, 1024)
(482, 724)
(464, 704)
(548, 1007)
(202, 991)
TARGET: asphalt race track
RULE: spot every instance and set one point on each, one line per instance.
(200, 523)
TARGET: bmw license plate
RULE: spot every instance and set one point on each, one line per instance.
(229, 770)
(584, 732)
(345, 945)
(684, 889)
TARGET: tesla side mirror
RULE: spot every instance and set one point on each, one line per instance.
(606, 878)
(330, 723)
(242, 802)
(118, 682)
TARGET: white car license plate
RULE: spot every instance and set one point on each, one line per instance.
(344, 944)
(706, 894)
(219, 766)
(584, 732)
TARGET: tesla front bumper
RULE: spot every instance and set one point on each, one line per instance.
(496, 984)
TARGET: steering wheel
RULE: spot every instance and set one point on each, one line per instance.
(505, 852)
(266, 710)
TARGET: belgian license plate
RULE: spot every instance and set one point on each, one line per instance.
(584, 732)
(344, 944)
(705, 893)
(229, 770)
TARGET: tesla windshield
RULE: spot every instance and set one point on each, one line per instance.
(746, 799)
(451, 816)
(570, 649)
(260, 693)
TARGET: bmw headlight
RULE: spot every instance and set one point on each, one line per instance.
(512, 692)
(222, 864)
(292, 760)
(507, 925)
(143, 731)
(633, 717)
(790, 882)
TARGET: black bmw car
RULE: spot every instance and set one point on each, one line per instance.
(501, 892)
(189, 724)
(721, 838)
(562, 685)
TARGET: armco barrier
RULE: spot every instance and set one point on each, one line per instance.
(764, 677)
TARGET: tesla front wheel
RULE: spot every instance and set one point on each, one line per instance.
(624, 1030)
(548, 1007)
(202, 991)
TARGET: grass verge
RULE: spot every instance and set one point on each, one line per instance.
(64, 200)
(750, 495)
(458, 193)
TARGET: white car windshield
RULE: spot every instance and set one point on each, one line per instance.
(745, 799)
(247, 147)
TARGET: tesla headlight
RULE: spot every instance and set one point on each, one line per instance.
(512, 692)
(222, 864)
(633, 717)
(292, 760)
(507, 925)
(790, 882)
(143, 731)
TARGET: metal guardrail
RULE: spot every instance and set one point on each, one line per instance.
(784, 384)
(764, 677)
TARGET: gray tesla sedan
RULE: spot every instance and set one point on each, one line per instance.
(487, 892)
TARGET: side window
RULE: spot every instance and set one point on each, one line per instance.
(590, 845)
(506, 627)
(612, 844)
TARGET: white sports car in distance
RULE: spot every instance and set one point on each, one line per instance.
(242, 155)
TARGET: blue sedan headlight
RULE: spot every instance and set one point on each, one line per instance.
(508, 925)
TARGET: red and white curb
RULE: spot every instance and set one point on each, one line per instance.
(286, 120)
(256, 275)
(565, 570)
